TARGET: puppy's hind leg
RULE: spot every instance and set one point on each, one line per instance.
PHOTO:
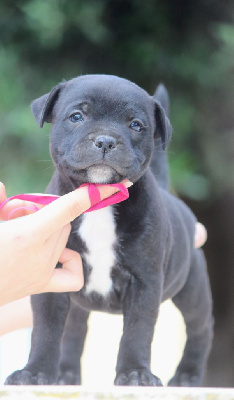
(72, 346)
(194, 302)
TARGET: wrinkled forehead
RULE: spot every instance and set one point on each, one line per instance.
(107, 94)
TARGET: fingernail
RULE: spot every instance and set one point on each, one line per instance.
(127, 183)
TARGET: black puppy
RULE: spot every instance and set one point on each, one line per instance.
(135, 254)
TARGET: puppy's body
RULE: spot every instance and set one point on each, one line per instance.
(135, 254)
(109, 238)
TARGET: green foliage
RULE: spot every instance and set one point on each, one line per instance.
(47, 29)
(187, 45)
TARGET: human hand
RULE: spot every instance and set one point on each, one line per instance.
(200, 235)
(31, 246)
(15, 208)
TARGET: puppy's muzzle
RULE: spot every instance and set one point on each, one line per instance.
(105, 143)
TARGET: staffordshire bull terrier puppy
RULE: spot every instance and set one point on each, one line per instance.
(135, 254)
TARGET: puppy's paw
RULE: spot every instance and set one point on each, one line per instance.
(69, 378)
(24, 377)
(141, 377)
(185, 379)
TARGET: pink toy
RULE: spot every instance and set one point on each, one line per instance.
(94, 195)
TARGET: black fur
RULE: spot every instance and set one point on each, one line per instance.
(155, 251)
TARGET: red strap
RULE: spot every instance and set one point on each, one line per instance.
(94, 195)
(114, 199)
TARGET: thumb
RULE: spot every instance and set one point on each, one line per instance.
(70, 277)
(68, 207)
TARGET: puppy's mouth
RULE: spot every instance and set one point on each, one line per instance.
(95, 173)
(101, 174)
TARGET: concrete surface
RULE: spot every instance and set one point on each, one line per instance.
(112, 393)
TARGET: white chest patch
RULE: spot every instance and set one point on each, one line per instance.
(97, 230)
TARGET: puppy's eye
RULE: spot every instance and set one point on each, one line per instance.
(136, 125)
(76, 117)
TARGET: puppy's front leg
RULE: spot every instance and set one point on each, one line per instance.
(140, 313)
(49, 315)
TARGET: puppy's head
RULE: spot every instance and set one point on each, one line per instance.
(103, 128)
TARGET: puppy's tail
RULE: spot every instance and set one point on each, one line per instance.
(159, 162)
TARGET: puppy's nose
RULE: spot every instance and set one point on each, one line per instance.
(105, 143)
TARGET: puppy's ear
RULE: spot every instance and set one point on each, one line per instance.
(161, 96)
(163, 127)
(162, 108)
(43, 106)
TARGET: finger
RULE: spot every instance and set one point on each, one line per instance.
(2, 198)
(2, 192)
(200, 235)
(57, 243)
(18, 208)
(69, 278)
(68, 207)
(106, 191)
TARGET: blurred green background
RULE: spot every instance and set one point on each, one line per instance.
(187, 45)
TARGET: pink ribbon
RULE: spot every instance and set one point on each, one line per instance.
(94, 195)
